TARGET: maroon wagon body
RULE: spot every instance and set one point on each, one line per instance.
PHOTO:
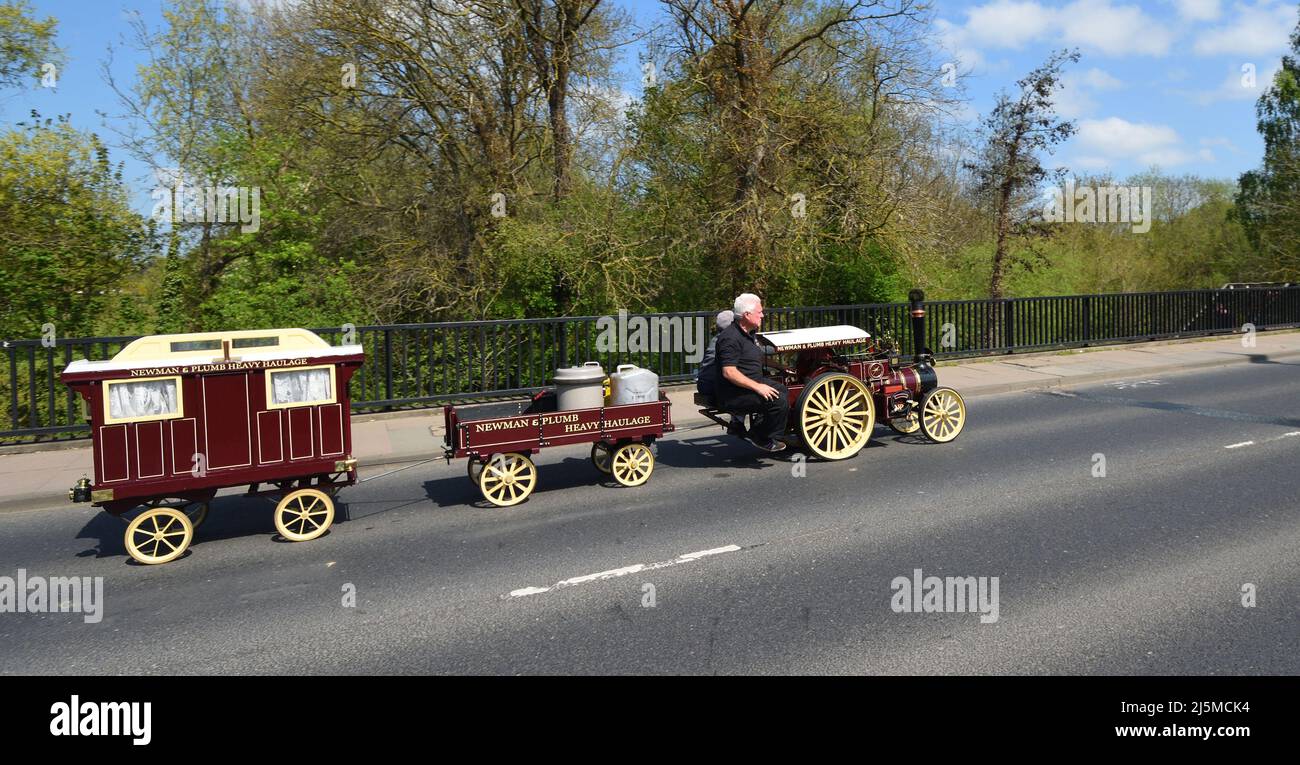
(224, 432)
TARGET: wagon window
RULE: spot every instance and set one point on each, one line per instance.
(133, 400)
(196, 345)
(254, 342)
(300, 387)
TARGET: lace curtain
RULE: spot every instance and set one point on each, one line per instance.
(153, 398)
(300, 386)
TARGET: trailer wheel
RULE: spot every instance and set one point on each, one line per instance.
(943, 415)
(600, 457)
(474, 467)
(835, 415)
(304, 515)
(158, 535)
(632, 464)
(507, 479)
(196, 511)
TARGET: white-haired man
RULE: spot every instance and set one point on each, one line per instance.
(707, 378)
(742, 389)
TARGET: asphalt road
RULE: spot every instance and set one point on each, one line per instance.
(1138, 571)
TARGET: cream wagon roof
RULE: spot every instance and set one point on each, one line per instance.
(203, 347)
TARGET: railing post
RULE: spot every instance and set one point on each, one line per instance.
(1008, 324)
(1087, 319)
(388, 366)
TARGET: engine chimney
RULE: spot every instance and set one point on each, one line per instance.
(916, 298)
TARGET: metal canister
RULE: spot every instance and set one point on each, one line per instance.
(580, 387)
(631, 384)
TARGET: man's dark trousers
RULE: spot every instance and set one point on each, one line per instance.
(770, 416)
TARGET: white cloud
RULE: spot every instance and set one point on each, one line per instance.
(1094, 25)
(1113, 30)
(1231, 88)
(1007, 23)
(953, 41)
(1221, 141)
(1072, 98)
(1252, 30)
(1099, 79)
(1091, 163)
(1146, 144)
(1198, 10)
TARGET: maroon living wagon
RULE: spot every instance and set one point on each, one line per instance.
(174, 418)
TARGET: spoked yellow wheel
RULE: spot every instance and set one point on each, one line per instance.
(906, 426)
(943, 415)
(159, 535)
(507, 479)
(197, 512)
(632, 464)
(835, 416)
(304, 515)
(600, 456)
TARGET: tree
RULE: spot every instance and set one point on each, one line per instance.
(1268, 201)
(786, 135)
(1009, 170)
(25, 43)
(67, 231)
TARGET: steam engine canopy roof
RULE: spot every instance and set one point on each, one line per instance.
(813, 337)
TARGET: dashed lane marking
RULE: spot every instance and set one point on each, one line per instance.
(617, 572)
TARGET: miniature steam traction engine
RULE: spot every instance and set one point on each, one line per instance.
(174, 418)
(840, 382)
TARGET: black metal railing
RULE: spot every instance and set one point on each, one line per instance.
(411, 365)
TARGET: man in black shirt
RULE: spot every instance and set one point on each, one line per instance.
(741, 388)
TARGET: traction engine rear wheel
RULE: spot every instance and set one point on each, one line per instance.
(835, 416)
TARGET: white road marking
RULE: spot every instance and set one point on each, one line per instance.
(617, 572)
(1292, 434)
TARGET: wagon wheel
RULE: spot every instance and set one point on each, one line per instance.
(304, 514)
(906, 426)
(196, 511)
(507, 479)
(158, 535)
(632, 464)
(943, 415)
(835, 416)
(475, 468)
(600, 456)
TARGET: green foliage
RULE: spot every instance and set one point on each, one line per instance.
(25, 44)
(1268, 204)
(70, 241)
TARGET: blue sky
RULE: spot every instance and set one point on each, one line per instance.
(1161, 82)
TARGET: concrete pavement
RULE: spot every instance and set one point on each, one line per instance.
(38, 476)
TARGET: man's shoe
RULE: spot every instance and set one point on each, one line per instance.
(771, 445)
